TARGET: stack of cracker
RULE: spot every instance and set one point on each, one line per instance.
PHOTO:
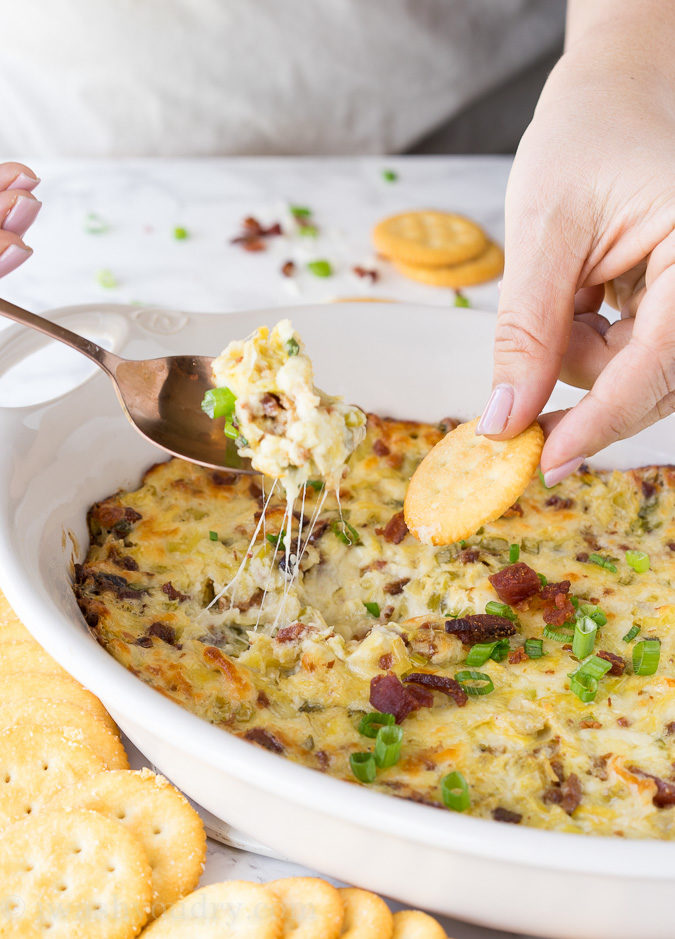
(438, 248)
(90, 849)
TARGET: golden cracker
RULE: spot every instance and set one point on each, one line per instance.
(35, 762)
(367, 916)
(468, 480)
(158, 815)
(236, 910)
(22, 655)
(32, 685)
(80, 725)
(74, 876)
(311, 907)
(11, 626)
(429, 238)
(486, 266)
(413, 924)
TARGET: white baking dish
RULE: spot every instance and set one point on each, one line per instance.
(59, 457)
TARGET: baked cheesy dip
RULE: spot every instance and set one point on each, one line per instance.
(524, 675)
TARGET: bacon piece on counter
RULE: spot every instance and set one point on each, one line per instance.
(389, 696)
(440, 683)
(665, 791)
(480, 627)
(515, 583)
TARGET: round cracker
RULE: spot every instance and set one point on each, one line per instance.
(468, 480)
(367, 916)
(486, 266)
(58, 687)
(429, 238)
(35, 762)
(413, 924)
(22, 655)
(158, 815)
(236, 909)
(11, 626)
(79, 876)
(79, 724)
(311, 907)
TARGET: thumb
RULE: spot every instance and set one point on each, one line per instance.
(536, 311)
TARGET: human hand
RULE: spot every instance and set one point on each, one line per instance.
(590, 212)
(18, 211)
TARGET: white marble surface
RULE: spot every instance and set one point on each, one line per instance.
(142, 201)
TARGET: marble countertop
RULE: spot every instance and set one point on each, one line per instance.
(141, 202)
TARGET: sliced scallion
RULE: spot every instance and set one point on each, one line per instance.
(320, 268)
(389, 176)
(363, 766)
(482, 651)
(107, 279)
(347, 533)
(558, 635)
(455, 792)
(638, 560)
(180, 233)
(316, 484)
(514, 553)
(372, 722)
(585, 687)
(474, 683)
(606, 562)
(373, 608)
(632, 633)
(595, 613)
(292, 346)
(461, 300)
(534, 648)
(585, 632)
(646, 654)
(213, 535)
(500, 609)
(219, 402)
(595, 667)
(388, 746)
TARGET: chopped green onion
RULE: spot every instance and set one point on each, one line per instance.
(300, 211)
(514, 553)
(632, 633)
(363, 766)
(455, 792)
(180, 233)
(461, 300)
(595, 667)
(372, 722)
(389, 176)
(320, 268)
(219, 402)
(557, 635)
(316, 484)
(308, 231)
(575, 602)
(349, 536)
(277, 540)
(373, 608)
(646, 654)
(607, 562)
(534, 648)
(231, 431)
(106, 279)
(594, 612)
(500, 609)
(388, 746)
(95, 225)
(482, 651)
(638, 560)
(585, 631)
(485, 684)
(292, 347)
(542, 580)
(585, 687)
(213, 535)
(501, 650)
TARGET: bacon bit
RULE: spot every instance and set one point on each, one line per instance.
(446, 424)
(323, 759)
(558, 612)
(117, 585)
(648, 489)
(440, 683)
(618, 664)
(506, 815)
(245, 605)
(396, 586)
(253, 233)
(223, 479)
(380, 448)
(172, 593)
(271, 404)
(590, 723)
(599, 766)
(164, 632)
(395, 460)
(550, 591)
(253, 245)
(396, 529)
(623, 722)
(671, 545)
(591, 540)
(125, 561)
(378, 565)
(469, 555)
(557, 502)
(288, 269)
(665, 791)
(144, 641)
(262, 700)
(670, 729)
(366, 272)
(558, 769)
(389, 696)
(480, 627)
(385, 661)
(291, 633)
(517, 655)
(515, 509)
(387, 612)
(515, 583)
(582, 557)
(571, 794)
(264, 738)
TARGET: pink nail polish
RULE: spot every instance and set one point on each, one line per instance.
(24, 181)
(11, 257)
(497, 411)
(22, 215)
(553, 476)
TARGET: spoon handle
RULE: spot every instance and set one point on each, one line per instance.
(96, 353)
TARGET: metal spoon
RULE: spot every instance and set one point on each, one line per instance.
(161, 397)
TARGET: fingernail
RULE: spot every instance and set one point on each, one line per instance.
(11, 257)
(553, 476)
(22, 215)
(24, 181)
(497, 411)
(499, 284)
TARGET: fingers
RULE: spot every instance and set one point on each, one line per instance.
(589, 299)
(636, 387)
(18, 210)
(592, 345)
(17, 176)
(13, 252)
